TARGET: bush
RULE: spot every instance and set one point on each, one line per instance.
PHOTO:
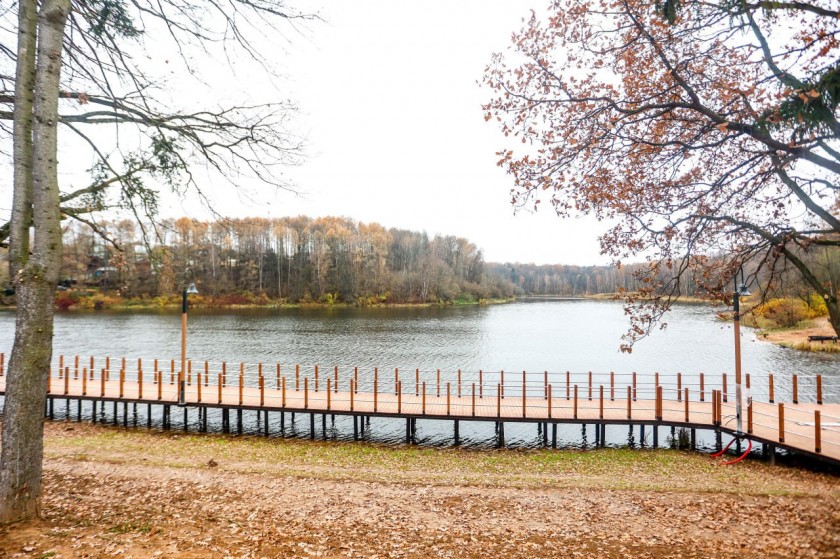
(816, 306)
(783, 313)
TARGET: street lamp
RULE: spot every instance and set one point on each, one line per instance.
(188, 290)
(740, 290)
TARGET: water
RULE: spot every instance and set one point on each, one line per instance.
(554, 336)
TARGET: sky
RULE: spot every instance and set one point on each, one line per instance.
(389, 104)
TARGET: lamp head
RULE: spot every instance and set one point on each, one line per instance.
(191, 290)
(743, 291)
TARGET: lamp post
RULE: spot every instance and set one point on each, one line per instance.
(188, 290)
(740, 290)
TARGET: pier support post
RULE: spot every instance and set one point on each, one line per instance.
(79, 409)
(673, 437)
(92, 414)
(641, 435)
(597, 436)
(282, 424)
(312, 426)
(204, 420)
(694, 439)
(323, 425)
(115, 411)
(771, 449)
(718, 441)
(225, 420)
(553, 435)
(134, 414)
(501, 429)
(656, 436)
(239, 421)
(457, 432)
(603, 435)
(408, 431)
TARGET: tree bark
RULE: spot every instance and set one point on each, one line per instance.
(35, 283)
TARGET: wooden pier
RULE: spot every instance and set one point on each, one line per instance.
(783, 417)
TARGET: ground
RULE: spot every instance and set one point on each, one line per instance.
(797, 338)
(136, 494)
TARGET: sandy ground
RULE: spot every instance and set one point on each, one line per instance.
(799, 338)
(137, 506)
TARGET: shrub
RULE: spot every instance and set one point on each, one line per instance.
(65, 299)
(784, 313)
(816, 306)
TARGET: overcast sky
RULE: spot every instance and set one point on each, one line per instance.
(390, 105)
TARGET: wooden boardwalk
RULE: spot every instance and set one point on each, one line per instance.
(811, 428)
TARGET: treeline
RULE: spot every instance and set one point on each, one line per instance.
(295, 259)
(576, 281)
(303, 259)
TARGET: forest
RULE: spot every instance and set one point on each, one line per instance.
(303, 259)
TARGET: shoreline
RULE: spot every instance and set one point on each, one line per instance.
(797, 337)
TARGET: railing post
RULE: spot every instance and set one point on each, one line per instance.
(424, 398)
(297, 378)
(399, 396)
(749, 417)
(723, 388)
(819, 390)
(686, 405)
(283, 392)
(817, 432)
(499, 400)
(220, 386)
(549, 400)
(601, 404)
(795, 389)
(262, 390)
(329, 393)
(576, 402)
(306, 393)
(770, 387)
(679, 386)
(473, 399)
(703, 388)
(316, 378)
(612, 386)
(659, 403)
(629, 403)
(635, 387)
(375, 390)
(781, 422)
(352, 391)
(447, 398)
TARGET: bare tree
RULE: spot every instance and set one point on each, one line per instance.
(86, 56)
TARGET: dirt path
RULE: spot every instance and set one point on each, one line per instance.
(138, 507)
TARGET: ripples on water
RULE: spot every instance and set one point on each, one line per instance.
(575, 336)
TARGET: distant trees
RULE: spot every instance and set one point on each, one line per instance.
(299, 259)
(706, 144)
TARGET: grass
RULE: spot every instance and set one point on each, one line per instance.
(604, 469)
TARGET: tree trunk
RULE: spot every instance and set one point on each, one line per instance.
(833, 306)
(35, 282)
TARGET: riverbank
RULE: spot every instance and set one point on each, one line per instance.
(77, 301)
(797, 337)
(139, 494)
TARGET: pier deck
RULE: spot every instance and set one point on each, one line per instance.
(811, 428)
